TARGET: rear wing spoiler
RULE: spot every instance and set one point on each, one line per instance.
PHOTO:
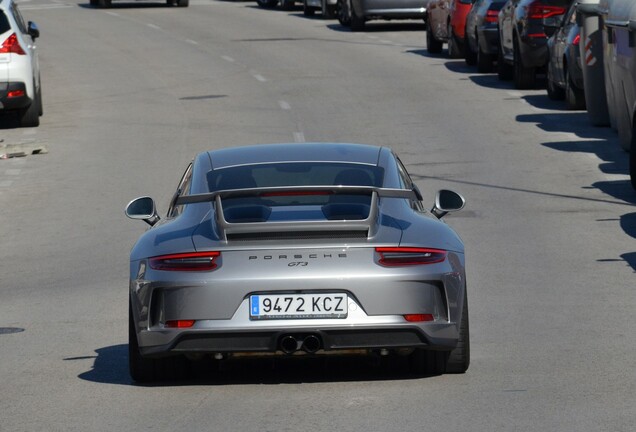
(368, 225)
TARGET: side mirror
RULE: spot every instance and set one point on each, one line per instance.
(447, 201)
(143, 208)
(33, 30)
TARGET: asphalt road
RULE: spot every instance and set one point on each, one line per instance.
(132, 93)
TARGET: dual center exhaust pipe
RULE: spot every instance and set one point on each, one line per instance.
(290, 344)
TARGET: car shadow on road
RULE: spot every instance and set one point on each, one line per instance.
(598, 141)
(9, 120)
(111, 367)
(130, 5)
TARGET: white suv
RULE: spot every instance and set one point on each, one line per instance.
(20, 88)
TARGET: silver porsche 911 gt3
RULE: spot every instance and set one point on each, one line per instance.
(297, 249)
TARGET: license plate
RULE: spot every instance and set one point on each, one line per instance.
(298, 306)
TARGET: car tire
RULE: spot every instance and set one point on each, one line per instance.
(327, 10)
(357, 22)
(308, 11)
(632, 158)
(574, 97)
(454, 48)
(30, 116)
(183, 3)
(105, 3)
(147, 370)
(484, 61)
(267, 4)
(287, 5)
(343, 13)
(505, 72)
(554, 92)
(470, 56)
(525, 77)
(459, 358)
(39, 98)
(433, 46)
(94, 3)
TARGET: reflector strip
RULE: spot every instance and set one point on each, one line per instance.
(179, 323)
(419, 317)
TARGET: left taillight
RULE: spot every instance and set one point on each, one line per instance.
(12, 45)
(538, 10)
(407, 256)
(190, 261)
(491, 16)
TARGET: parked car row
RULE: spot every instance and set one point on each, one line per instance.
(355, 13)
(564, 40)
(527, 38)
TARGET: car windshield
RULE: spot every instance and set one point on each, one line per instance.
(295, 206)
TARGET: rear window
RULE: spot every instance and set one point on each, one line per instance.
(300, 206)
(4, 23)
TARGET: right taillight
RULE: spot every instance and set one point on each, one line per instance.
(491, 16)
(12, 45)
(538, 10)
(407, 256)
(190, 261)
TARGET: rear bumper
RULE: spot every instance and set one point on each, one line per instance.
(17, 102)
(433, 336)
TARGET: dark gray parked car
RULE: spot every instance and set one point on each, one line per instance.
(297, 249)
(482, 35)
(565, 75)
(355, 13)
(522, 39)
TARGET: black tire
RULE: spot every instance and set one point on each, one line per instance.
(147, 370)
(94, 3)
(287, 5)
(525, 77)
(485, 62)
(39, 98)
(357, 22)
(327, 10)
(342, 13)
(459, 358)
(105, 4)
(454, 47)
(30, 116)
(632, 158)
(554, 92)
(574, 97)
(308, 11)
(267, 4)
(433, 46)
(470, 56)
(505, 72)
(183, 3)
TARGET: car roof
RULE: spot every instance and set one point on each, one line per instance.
(295, 152)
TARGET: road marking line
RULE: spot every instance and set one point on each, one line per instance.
(156, 27)
(228, 59)
(284, 105)
(190, 41)
(113, 14)
(259, 77)
(299, 137)
(385, 41)
(13, 172)
(6, 183)
(515, 94)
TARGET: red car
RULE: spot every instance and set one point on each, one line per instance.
(446, 22)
